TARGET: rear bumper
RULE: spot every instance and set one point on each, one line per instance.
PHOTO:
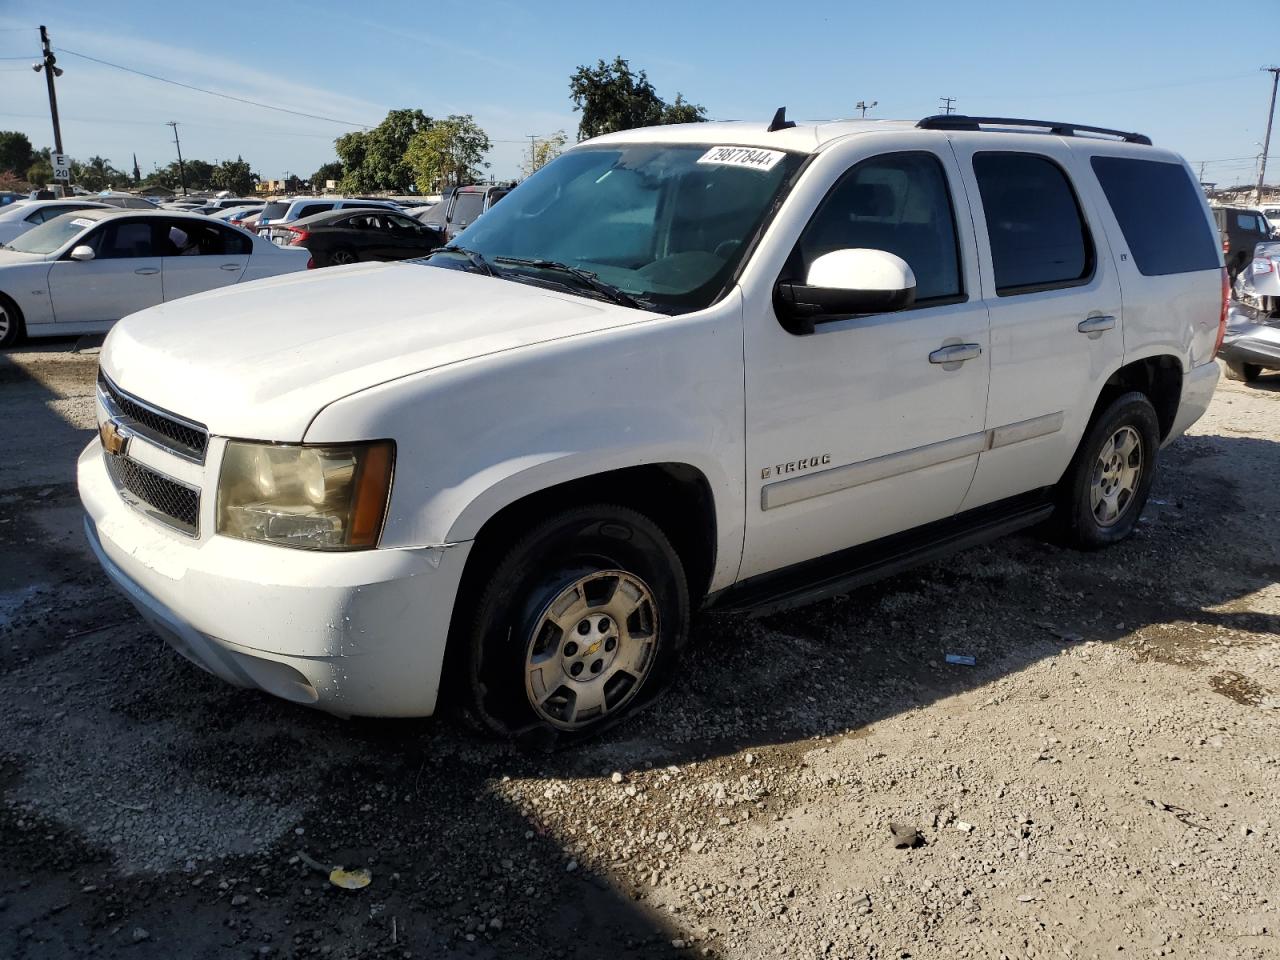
(1197, 391)
(360, 633)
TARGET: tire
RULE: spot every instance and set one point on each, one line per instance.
(1244, 372)
(11, 325)
(1101, 496)
(341, 257)
(578, 626)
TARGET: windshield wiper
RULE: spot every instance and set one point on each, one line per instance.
(476, 260)
(585, 277)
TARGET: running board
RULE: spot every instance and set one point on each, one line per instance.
(858, 566)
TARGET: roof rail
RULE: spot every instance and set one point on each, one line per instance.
(959, 121)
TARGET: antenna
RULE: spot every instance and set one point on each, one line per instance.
(864, 106)
(780, 121)
(948, 104)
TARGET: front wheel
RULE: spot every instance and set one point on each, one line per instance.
(10, 323)
(579, 626)
(1104, 490)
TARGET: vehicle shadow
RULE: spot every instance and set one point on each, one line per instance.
(480, 849)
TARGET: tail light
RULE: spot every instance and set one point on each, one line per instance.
(1222, 317)
(1226, 244)
(311, 265)
(300, 236)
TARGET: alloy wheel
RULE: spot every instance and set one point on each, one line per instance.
(1115, 476)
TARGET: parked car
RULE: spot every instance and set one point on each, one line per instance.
(1241, 229)
(346, 236)
(1272, 213)
(125, 201)
(83, 271)
(8, 197)
(232, 214)
(460, 207)
(17, 219)
(1251, 344)
(704, 365)
(289, 210)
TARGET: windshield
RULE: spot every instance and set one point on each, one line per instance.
(665, 224)
(50, 235)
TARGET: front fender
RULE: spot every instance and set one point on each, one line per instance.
(477, 436)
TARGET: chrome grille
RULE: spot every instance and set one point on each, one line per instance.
(186, 438)
(156, 495)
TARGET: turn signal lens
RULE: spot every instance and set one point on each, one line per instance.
(331, 497)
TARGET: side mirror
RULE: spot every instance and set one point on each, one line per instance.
(845, 283)
(83, 252)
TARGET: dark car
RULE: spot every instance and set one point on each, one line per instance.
(347, 236)
(1241, 229)
(460, 207)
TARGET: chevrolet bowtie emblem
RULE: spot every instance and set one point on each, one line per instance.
(115, 439)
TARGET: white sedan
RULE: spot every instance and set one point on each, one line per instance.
(18, 218)
(81, 272)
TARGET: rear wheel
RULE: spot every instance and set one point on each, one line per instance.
(579, 626)
(11, 326)
(1247, 372)
(1104, 490)
(342, 256)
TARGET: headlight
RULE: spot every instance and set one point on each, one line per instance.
(318, 498)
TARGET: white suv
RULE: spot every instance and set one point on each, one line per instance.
(726, 364)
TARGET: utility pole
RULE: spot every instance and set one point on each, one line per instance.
(863, 106)
(948, 104)
(182, 170)
(1266, 141)
(533, 152)
(50, 71)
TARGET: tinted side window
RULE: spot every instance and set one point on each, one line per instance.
(234, 243)
(126, 240)
(310, 208)
(1160, 214)
(899, 203)
(1038, 236)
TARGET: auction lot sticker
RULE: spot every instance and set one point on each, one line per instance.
(752, 158)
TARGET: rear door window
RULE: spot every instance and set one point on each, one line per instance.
(1039, 240)
(1160, 214)
(308, 209)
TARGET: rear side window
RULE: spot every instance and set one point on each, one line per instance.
(308, 209)
(273, 211)
(1160, 214)
(1039, 240)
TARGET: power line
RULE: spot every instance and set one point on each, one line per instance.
(216, 93)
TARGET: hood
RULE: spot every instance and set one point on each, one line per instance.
(9, 257)
(260, 360)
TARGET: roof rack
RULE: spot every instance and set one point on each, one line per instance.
(959, 121)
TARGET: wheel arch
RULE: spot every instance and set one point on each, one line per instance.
(677, 496)
(1159, 376)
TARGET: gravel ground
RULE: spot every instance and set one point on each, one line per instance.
(1102, 783)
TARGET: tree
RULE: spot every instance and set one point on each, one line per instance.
(448, 153)
(40, 173)
(15, 151)
(612, 98)
(97, 174)
(328, 171)
(375, 159)
(542, 152)
(199, 174)
(235, 176)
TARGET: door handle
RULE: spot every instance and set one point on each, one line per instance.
(956, 353)
(147, 271)
(230, 266)
(1096, 324)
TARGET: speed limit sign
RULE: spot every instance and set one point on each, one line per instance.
(61, 167)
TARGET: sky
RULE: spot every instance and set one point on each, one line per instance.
(1168, 69)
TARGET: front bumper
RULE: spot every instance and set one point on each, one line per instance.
(1197, 391)
(359, 633)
